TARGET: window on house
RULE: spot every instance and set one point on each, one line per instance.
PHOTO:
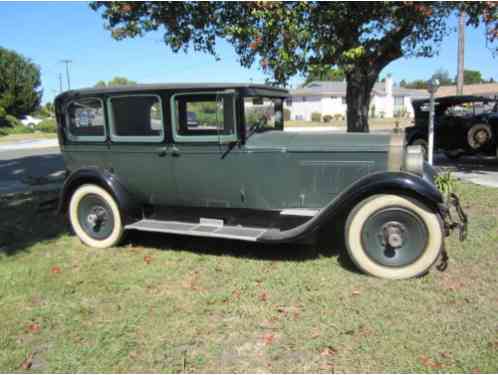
(86, 120)
(136, 118)
(288, 102)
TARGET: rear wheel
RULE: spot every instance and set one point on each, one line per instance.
(95, 217)
(393, 237)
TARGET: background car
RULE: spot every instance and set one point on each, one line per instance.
(462, 125)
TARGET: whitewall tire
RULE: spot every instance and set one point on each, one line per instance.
(95, 217)
(393, 237)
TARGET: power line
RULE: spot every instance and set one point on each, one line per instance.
(67, 62)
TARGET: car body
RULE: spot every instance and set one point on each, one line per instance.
(462, 125)
(30, 121)
(237, 174)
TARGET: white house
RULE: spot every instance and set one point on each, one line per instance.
(329, 98)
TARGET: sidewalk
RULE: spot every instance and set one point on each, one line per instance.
(23, 145)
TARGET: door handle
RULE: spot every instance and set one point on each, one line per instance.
(175, 152)
(162, 151)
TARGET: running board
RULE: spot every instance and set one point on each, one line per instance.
(203, 229)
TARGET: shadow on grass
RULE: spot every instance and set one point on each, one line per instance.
(469, 164)
(327, 244)
(25, 221)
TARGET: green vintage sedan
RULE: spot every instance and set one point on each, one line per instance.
(213, 160)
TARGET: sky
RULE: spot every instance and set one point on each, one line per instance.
(47, 32)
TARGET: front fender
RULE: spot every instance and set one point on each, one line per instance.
(128, 205)
(378, 183)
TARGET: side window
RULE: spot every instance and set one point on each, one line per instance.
(203, 117)
(85, 120)
(136, 118)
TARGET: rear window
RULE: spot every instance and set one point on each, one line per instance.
(136, 118)
(86, 120)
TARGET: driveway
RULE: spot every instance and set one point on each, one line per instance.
(481, 171)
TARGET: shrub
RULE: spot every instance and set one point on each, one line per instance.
(338, 117)
(287, 114)
(327, 118)
(11, 125)
(316, 117)
(47, 126)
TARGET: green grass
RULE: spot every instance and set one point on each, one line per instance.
(176, 304)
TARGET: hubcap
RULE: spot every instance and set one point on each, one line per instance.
(394, 237)
(95, 216)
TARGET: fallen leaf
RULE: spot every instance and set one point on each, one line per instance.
(329, 367)
(263, 297)
(476, 370)
(236, 294)
(28, 362)
(33, 328)
(56, 269)
(429, 362)
(356, 292)
(315, 334)
(268, 338)
(328, 351)
(445, 355)
(147, 259)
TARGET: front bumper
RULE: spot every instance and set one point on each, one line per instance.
(454, 217)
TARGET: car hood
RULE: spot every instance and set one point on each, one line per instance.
(319, 141)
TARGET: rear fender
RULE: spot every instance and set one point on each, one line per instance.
(129, 207)
(378, 183)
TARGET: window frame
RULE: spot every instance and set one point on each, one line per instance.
(134, 138)
(218, 138)
(85, 138)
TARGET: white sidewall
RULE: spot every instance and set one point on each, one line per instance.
(76, 198)
(365, 209)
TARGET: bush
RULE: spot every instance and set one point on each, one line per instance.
(327, 118)
(47, 126)
(11, 125)
(316, 117)
(287, 114)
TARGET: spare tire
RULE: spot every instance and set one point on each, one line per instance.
(479, 135)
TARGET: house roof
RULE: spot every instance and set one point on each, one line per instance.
(477, 89)
(338, 88)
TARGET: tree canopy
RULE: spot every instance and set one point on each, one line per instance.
(116, 81)
(326, 73)
(287, 38)
(20, 91)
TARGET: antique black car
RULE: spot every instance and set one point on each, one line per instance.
(462, 125)
(136, 160)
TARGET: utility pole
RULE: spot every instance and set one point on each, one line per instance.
(67, 62)
(60, 82)
(461, 52)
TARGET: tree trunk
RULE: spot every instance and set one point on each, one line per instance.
(359, 87)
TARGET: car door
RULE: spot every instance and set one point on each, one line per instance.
(205, 175)
(138, 154)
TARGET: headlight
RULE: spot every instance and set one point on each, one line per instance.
(414, 160)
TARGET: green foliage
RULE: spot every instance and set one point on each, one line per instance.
(316, 117)
(472, 77)
(444, 77)
(324, 73)
(20, 91)
(327, 118)
(289, 38)
(419, 84)
(12, 125)
(116, 81)
(47, 126)
(446, 183)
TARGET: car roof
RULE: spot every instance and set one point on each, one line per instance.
(248, 88)
(454, 99)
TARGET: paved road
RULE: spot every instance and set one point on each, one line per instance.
(38, 165)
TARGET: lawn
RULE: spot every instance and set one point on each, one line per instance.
(374, 123)
(174, 304)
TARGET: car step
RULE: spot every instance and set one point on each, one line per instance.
(204, 229)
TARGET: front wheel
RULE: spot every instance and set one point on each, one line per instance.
(393, 237)
(95, 217)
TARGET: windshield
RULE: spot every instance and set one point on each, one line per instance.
(263, 113)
